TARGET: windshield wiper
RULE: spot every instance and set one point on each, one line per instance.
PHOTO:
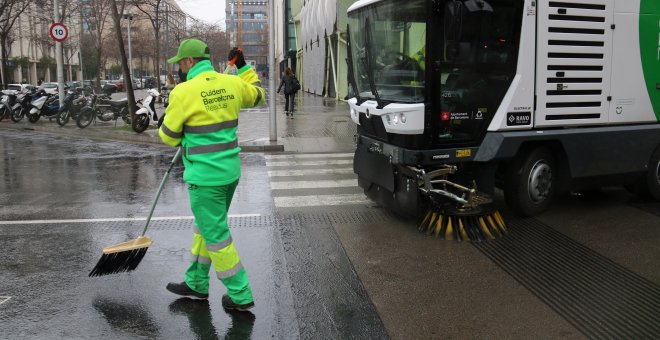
(367, 49)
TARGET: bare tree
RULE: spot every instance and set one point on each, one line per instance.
(128, 81)
(215, 38)
(153, 9)
(10, 11)
(98, 14)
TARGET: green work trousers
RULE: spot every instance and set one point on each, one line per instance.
(213, 244)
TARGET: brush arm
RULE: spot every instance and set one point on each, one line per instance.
(175, 160)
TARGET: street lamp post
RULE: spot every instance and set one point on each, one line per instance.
(129, 16)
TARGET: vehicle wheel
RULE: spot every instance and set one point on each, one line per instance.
(17, 115)
(63, 117)
(529, 185)
(140, 123)
(33, 118)
(653, 176)
(85, 117)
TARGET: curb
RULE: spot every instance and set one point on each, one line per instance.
(146, 137)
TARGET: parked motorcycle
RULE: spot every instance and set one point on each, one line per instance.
(147, 110)
(74, 101)
(6, 102)
(47, 105)
(22, 106)
(104, 109)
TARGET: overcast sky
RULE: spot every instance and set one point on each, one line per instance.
(209, 11)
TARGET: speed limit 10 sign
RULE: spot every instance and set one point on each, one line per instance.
(58, 32)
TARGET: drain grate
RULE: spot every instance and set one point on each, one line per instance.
(597, 296)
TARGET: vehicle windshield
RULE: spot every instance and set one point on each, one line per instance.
(388, 51)
(467, 67)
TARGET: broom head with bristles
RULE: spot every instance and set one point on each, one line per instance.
(476, 224)
(122, 257)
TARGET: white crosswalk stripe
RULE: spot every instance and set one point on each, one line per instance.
(313, 180)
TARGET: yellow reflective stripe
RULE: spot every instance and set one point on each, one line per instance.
(199, 149)
(199, 246)
(225, 259)
(220, 245)
(170, 133)
(231, 272)
(211, 127)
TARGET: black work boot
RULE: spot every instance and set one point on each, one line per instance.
(183, 290)
(228, 304)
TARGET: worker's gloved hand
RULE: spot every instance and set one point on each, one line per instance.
(238, 54)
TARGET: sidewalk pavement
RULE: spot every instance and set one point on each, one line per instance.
(319, 125)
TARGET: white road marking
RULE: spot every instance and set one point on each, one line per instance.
(314, 184)
(310, 155)
(126, 219)
(319, 200)
(4, 299)
(310, 172)
(299, 163)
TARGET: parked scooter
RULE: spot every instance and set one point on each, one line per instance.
(47, 105)
(6, 102)
(22, 106)
(74, 101)
(147, 110)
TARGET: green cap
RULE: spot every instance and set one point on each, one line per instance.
(191, 48)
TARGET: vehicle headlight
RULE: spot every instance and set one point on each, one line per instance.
(402, 118)
(388, 119)
(396, 119)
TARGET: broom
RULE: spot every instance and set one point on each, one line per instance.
(125, 257)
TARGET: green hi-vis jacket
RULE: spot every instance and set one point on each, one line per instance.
(202, 117)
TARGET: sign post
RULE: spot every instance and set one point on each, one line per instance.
(59, 32)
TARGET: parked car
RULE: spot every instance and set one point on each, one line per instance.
(108, 87)
(149, 82)
(118, 84)
(20, 87)
(50, 88)
(123, 85)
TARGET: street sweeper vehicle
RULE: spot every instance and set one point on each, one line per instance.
(454, 98)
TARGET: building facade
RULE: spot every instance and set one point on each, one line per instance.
(31, 53)
(311, 38)
(247, 25)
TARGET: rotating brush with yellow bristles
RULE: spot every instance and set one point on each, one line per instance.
(475, 224)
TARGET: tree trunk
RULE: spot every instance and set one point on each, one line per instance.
(3, 44)
(128, 82)
(158, 60)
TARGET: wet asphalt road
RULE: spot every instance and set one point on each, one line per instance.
(103, 190)
(324, 263)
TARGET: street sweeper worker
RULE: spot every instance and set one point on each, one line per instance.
(202, 118)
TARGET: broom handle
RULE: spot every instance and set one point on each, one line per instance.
(175, 160)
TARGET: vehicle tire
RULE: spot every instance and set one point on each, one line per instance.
(17, 115)
(85, 117)
(63, 117)
(140, 123)
(530, 182)
(33, 118)
(653, 176)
